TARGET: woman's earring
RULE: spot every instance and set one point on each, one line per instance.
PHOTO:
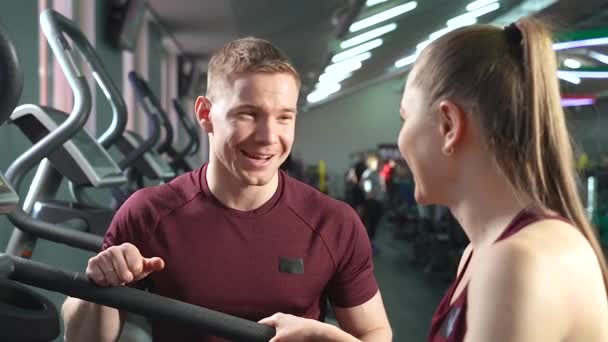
(448, 151)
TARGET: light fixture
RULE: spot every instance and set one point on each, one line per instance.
(343, 67)
(572, 63)
(422, 45)
(445, 30)
(580, 43)
(584, 74)
(370, 3)
(346, 54)
(382, 16)
(478, 4)
(568, 77)
(583, 101)
(406, 61)
(474, 14)
(357, 58)
(598, 56)
(334, 77)
(323, 93)
(356, 40)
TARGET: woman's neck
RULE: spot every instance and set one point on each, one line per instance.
(489, 205)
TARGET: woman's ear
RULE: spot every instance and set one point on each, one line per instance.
(451, 125)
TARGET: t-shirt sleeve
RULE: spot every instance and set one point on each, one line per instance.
(354, 282)
(131, 221)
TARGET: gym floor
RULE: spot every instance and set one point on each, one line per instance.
(410, 296)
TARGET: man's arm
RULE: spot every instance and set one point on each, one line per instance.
(115, 266)
(85, 321)
(367, 322)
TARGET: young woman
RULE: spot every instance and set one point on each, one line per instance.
(484, 134)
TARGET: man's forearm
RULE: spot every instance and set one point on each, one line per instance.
(85, 321)
(335, 334)
(378, 335)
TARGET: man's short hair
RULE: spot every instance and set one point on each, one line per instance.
(246, 55)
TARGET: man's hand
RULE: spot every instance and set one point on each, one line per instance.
(119, 265)
(291, 328)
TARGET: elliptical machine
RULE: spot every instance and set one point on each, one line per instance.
(26, 315)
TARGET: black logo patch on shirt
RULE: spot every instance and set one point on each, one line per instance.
(291, 265)
(447, 327)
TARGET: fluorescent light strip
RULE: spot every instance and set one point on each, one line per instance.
(327, 87)
(406, 61)
(474, 14)
(585, 74)
(580, 43)
(598, 56)
(334, 77)
(443, 31)
(383, 16)
(319, 95)
(526, 7)
(572, 63)
(478, 4)
(568, 77)
(356, 50)
(367, 36)
(577, 102)
(422, 45)
(370, 3)
(348, 63)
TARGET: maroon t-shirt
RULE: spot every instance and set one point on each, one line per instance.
(289, 255)
(449, 323)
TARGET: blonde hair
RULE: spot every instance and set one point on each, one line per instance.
(507, 79)
(246, 55)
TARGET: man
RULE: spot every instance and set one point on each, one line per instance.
(238, 235)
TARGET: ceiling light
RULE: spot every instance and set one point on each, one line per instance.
(356, 50)
(474, 14)
(585, 74)
(478, 4)
(524, 8)
(572, 63)
(350, 64)
(382, 16)
(580, 43)
(367, 36)
(334, 77)
(566, 76)
(406, 61)
(319, 95)
(459, 24)
(598, 56)
(370, 3)
(424, 44)
(570, 102)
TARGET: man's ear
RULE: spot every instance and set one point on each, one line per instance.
(202, 108)
(452, 124)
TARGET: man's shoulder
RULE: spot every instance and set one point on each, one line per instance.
(314, 206)
(165, 197)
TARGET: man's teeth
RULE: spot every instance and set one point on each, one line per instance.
(257, 156)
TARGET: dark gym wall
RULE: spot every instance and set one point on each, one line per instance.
(362, 120)
(21, 21)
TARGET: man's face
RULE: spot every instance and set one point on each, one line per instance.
(252, 122)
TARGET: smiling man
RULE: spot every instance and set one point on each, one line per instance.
(238, 235)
